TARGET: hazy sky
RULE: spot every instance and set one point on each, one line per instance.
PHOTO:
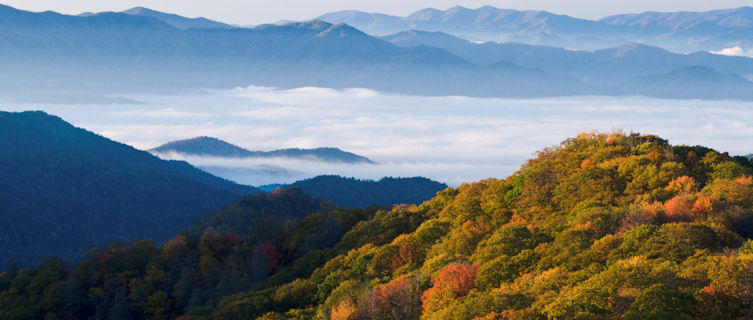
(256, 12)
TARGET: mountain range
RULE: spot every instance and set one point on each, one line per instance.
(213, 147)
(174, 20)
(65, 190)
(116, 53)
(676, 31)
(621, 68)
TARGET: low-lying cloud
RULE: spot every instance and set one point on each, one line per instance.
(450, 139)
(735, 51)
(261, 171)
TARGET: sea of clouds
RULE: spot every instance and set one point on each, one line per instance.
(449, 139)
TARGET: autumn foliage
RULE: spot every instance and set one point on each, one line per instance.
(453, 281)
(602, 226)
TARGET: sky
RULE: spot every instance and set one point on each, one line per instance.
(245, 12)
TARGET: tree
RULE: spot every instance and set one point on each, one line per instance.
(398, 299)
(453, 281)
(662, 302)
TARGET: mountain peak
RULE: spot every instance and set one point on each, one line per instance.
(316, 25)
(137, 10)
(339, 30)
(175, 20)
(213, 147)
(424, 14)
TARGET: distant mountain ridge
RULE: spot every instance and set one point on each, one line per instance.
(676, 31)
(173, 20)
(114, 51)
(176, 20)
(46, 54)
(209, 146)
(617, 70)
(65, 190)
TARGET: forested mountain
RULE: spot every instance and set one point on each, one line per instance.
(603, 226)
(676, 31)
(213, 147)
(354, 193)
(65, 190)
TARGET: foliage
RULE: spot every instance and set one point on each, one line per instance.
(603, 226)
(353, 193)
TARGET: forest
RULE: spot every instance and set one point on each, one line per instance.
(355, 193)
(602, 226)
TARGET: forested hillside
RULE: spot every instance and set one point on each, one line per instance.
(354, 193)
(603, 226)
(64, 190)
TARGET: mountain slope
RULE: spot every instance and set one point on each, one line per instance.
(602, 226)
(66, 190)
(208, 146)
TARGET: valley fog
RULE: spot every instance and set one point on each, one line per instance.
(449, 139)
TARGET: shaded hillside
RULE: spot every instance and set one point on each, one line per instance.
(213, 147)
(189, 271)
(66, 190)
(603, 226)
(241, 216)
(354, 193)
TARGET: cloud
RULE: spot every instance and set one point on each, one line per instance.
(164, 113)
(450, 139)
(261, 171)
(734, 51)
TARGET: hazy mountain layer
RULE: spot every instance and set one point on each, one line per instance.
(51, 55)
(116, 52)
(632, 68)
(676, 31)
